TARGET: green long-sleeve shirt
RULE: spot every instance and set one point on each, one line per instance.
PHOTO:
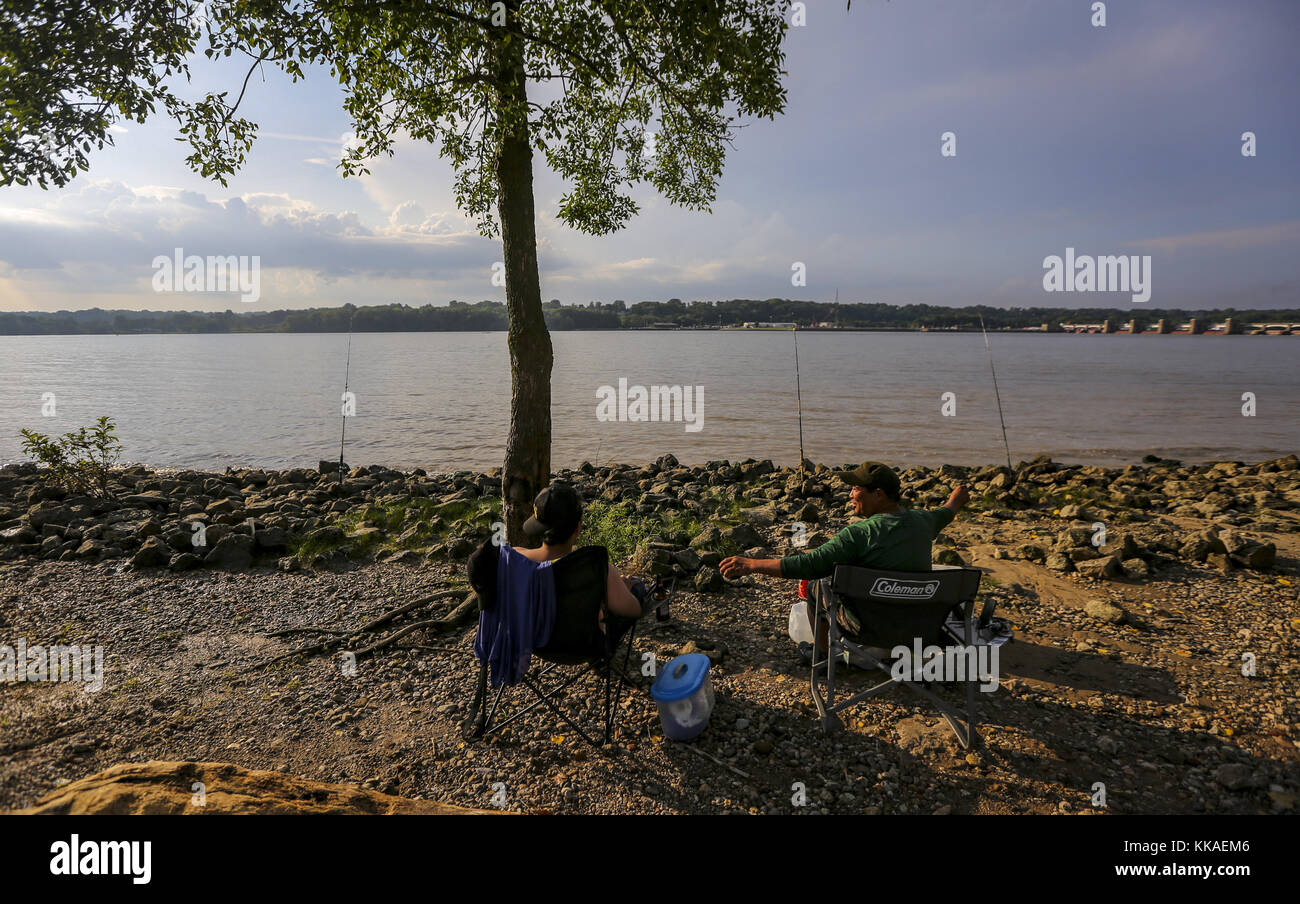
(898, 541)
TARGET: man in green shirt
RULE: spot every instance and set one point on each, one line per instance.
(891, 537)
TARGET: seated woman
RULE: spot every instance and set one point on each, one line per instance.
(557, 521)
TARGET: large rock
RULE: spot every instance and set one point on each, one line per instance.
(1101, 569)
(688, 559)
(48, 512)
(20, 534)
(1125, 547)
(1059, 562)
(270, 539)
(184, 561)
(744, 536)
(167, 788)
(808, 514)
(1249, 551)
(329, 534)
(151, 553)
(1262, 557)
(1220, 563)
(330, 468)
(762, 515)
(90, 549)
(1104, 611)
(708, 580)
(233, 553)
(948, 557)
(709, 538)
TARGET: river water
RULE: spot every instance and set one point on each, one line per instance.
(441, 400)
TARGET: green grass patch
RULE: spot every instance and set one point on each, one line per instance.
(416, 522)
(615, 526)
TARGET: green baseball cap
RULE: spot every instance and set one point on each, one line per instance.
(872, 475)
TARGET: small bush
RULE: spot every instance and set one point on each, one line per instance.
(78, 462)
(617, 528)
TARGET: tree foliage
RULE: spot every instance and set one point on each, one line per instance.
(80, 462)
(71, 69)
(644, 88)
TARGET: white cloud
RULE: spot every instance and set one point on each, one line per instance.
(1226, 239)
(99, 242)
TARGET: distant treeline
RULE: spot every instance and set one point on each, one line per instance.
(490, 315)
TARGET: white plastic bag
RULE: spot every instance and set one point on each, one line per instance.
(800, 630)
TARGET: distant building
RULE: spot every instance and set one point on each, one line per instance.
(760, 325)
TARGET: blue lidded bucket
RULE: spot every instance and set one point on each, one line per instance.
(685, 696)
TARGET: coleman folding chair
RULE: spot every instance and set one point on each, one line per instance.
(886, 609)
(576, 642)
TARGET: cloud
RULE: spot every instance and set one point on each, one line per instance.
(1225, 240)
(102, 240)
(281, 136)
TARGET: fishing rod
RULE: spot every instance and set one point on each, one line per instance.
(347, 373)
(997, 395)
(798, 391)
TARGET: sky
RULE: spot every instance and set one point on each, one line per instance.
(1124, 139)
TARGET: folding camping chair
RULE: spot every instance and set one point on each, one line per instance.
(576, 640)
(896, 608)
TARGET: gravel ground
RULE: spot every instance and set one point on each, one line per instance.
(1153, 706)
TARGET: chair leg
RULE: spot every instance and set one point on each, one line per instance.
(611, 710)
(825, 703)
(541, 693)
(610, 693)
(559, 713)
(476, 720)
(972, 730)
(971, 719)
(496, 702)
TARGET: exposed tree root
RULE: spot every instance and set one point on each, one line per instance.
(461, 615)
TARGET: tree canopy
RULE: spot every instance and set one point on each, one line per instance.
(644, 87)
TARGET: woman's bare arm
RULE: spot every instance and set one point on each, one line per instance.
(620, 599)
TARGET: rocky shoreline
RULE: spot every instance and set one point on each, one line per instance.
(188, 519)
(1126, 670)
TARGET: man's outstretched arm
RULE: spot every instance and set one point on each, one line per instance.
(957, 500)
(738, 566)
(819, 563)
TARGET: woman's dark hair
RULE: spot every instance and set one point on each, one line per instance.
(557, 512)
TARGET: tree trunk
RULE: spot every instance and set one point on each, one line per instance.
(528, 448)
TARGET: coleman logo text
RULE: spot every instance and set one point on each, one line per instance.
(904, 590)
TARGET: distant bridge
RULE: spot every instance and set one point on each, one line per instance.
(1162, 326)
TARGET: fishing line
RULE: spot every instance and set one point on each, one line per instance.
(798, 391)
(997, 394)
(347, 373)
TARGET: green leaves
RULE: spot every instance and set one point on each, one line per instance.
(431, 70)
(78, 462)
(71, 72)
